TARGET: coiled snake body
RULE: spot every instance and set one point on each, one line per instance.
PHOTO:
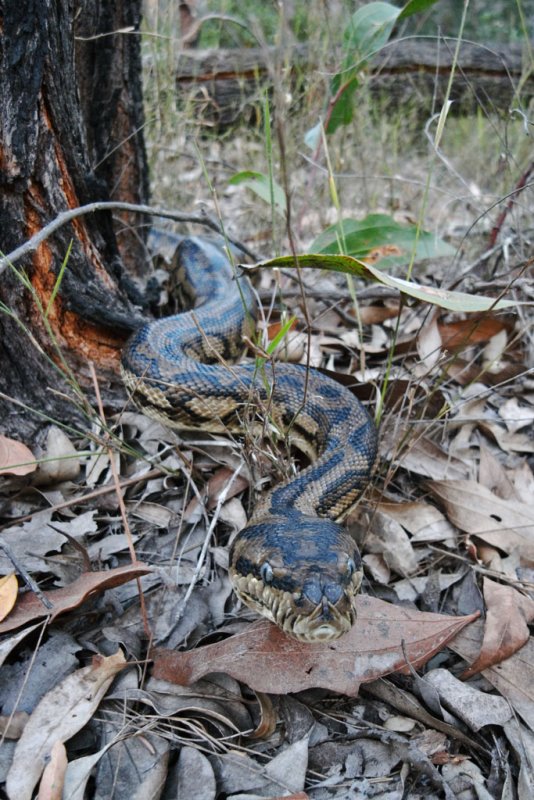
(293, 562)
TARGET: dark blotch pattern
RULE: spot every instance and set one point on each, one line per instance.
(176, 368)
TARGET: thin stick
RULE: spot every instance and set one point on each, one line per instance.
(152, 473)
(200, 563)
(520, 185)
(120, 498)
(67, 216)
(26, 577)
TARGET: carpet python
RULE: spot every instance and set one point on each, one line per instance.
(293, 562)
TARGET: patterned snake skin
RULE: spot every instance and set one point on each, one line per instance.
(293, 562)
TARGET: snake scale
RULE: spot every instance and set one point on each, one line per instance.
(293, 562)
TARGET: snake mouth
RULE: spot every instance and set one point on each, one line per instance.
(323, 622)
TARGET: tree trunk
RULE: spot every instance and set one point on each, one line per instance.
(70, 134)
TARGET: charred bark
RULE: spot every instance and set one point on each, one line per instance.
(60, 149)
(108, 71)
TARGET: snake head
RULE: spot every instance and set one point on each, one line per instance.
(301, 572)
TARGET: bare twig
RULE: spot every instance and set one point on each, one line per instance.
(26, 577)
(520, 185)
(120, 499)
(204, 549)
(67, 216)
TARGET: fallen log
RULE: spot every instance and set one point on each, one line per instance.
(226, 86)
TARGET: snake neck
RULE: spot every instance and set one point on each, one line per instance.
(331, 486)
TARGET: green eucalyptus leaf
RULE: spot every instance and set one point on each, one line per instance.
(343, 109)
(260, 184)
(414, 7)
(358, 237)
(452, 301)
(369, 30)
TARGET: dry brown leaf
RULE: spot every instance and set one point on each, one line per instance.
(194, 771)
(429, 344)
(422, 456)
(30, 607)
(79, 773)
(216, 484)
(522, 478)
(516, 416)
(15, 458)
(297, 796)
(506, 630)
(493, 475)
(154, 513)
(275, 328)
(60, 459)
(60, 714)
(375, 315)
(384, 535)
(474, 707)
(422, 520)
(378, 568)
(12, 725)
(508, 441)
(513, 678)
(460, 334)
(51, 786)
(269, 661)
(8, 644)
(9, 589)
(505, 524)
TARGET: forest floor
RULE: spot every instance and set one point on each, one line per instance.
(432, 695)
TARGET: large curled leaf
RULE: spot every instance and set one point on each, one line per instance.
(359, 237)
(453, 301)
(384, 638)
(57, 717)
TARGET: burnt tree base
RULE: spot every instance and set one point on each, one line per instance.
(71, 301)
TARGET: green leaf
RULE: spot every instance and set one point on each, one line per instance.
(260, 184)
(369, 30)
(453, 301)
(358, 237)
(342, 111)
(282, 333)
(414, 7)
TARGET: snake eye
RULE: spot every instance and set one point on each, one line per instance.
(266, 572)
(351, 567)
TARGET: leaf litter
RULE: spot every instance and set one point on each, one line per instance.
(448, 499)
(417, 701)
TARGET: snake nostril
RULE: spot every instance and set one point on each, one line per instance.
(316, 592)
(312, 591)
(332, 592)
